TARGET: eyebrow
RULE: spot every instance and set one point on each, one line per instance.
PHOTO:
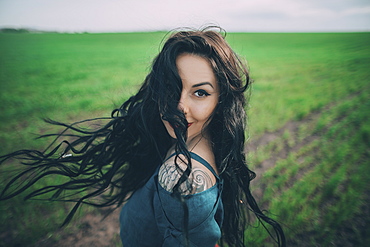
(202, 83)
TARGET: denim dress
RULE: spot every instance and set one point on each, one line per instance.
(153, 217)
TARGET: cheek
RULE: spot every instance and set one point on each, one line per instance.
(204, 112)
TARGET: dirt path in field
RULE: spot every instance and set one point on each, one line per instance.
(269, 137)
(292, 127)
(353, 229)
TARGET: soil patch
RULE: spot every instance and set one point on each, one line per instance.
(93, 230)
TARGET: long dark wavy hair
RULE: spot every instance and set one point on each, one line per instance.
(104, 166)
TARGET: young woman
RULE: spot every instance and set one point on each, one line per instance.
(172, 155)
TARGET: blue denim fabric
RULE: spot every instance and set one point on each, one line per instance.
(153, 217)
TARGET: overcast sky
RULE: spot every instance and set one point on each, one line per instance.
(150, 15)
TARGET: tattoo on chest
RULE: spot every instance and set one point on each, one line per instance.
(198, 181)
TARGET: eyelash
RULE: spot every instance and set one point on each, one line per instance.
(203, 92)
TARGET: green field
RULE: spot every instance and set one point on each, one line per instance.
(309, 126)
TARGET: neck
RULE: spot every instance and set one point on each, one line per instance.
(202, 138)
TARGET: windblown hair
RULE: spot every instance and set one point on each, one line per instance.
(109, 163)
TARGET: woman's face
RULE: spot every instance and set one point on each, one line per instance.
(199, 96)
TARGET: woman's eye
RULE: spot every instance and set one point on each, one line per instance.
(201, 93)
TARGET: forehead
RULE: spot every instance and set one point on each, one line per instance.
(195, 69)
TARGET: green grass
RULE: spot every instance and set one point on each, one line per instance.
(296, 74)
(67, 77)
(317, 190)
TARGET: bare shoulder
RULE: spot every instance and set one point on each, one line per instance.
(200, 179)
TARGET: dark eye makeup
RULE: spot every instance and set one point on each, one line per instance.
(201, 93)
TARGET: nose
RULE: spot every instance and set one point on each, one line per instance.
(183, 104)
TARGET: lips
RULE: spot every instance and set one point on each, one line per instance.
(173, 127)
